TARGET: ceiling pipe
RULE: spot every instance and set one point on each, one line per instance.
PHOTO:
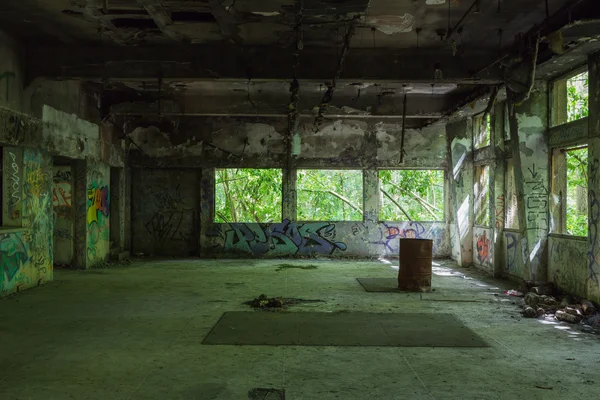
(460, 21)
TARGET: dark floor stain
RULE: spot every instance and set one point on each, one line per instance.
(266, 394)
(263, 302)
(292, 266)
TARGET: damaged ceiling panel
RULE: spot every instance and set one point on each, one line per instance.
(401, 24)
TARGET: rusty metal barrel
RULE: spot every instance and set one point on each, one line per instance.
(415, 265)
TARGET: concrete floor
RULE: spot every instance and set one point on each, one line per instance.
(136, 333)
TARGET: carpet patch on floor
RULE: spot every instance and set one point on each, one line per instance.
(342, 329)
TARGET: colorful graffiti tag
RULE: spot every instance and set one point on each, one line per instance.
(285, 238)
(98, 203)
(37, 211)
(14, 186)
(13, 254)
(483, 248)
(390, 235)
(62, 194)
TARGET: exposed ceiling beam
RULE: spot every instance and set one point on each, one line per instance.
(198, 62)
(161, 18)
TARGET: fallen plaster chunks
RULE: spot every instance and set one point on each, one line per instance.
(567, 317)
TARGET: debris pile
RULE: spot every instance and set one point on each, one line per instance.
(541, 298)
(277, 303)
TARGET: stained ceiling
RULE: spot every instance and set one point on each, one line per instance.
(242, 54)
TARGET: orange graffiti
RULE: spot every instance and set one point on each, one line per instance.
(483, 248)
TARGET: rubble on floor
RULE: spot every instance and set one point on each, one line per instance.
(541, 299)
(277, 303)
(292, 266)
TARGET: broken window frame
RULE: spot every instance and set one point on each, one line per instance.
(559, 199)
(558, 93)
(279, 197)
(477, 129)
(403, 200)
(313, 219)
(481, 201)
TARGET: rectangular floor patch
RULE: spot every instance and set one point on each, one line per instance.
(342, 329)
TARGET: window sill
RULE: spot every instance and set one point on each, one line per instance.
(566, 236)
(10, 229)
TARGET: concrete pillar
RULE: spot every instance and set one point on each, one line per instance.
(498, 203)
(207, 209)
(529, 148)
(79, 202)
(371, 196)
(289, 198)
(460, 153)
(593, 276)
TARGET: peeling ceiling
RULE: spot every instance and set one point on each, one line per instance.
(382, 23)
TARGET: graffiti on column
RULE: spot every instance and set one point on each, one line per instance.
(594, 225)
(536, 199)
(511, 251)
(14, 179)
(483, 248)
(500, 210)
(13, 255)
(62, 194)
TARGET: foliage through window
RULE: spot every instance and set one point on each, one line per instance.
(482, 131)
(577, 192)
(330, 195)
(411, 195)
(570, 98)
(482, 195)
(248, 195)
(577, 97)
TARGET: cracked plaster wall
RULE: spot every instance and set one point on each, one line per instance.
(207, 143)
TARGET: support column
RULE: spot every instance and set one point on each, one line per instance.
(289, 198)
(460, 153)
(207, 210)
(79, 202)
(497, 175)
(593, 275)
(529, 148)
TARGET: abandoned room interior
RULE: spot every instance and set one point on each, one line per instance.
(226, 199)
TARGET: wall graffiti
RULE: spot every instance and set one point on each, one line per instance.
(37, 208)
(285, 238)
(594, 225)
(97, 245)
(6, 75)
(13, 254)
(500, 212)
(98, 203)
(536, 199)
(166, 222)
(62, 194)
(63, 233)
(390, 235)
(14, 178)
(483, 248)
(511, 251)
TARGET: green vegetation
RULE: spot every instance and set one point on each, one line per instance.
(577, 187)
(577, 97)
(482, 131)
(330, 195)
(411, 195)
(482, 195)
(248, 195)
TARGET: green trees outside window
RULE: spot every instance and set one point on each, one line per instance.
(577, 192)
(330, 195)
(411, 195)
(248, 195)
